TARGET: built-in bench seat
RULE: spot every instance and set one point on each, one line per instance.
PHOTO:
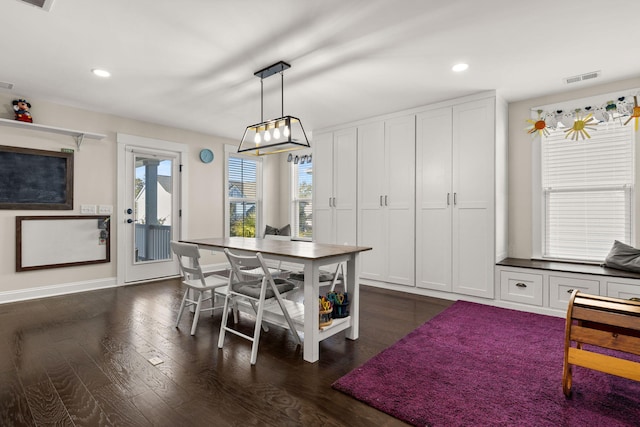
(546, 286)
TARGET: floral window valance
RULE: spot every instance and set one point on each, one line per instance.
(578, 122)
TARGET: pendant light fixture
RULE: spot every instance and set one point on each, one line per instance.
(277, 135)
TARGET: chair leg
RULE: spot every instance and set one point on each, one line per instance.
(255, 310)
(182, 304)
(223, 324)
(196, 314)
(256, 334)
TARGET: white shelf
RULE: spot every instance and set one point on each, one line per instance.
(78, 135)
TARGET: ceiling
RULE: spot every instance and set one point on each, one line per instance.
(190, 63)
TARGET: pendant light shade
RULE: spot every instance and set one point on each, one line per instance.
(276, 135)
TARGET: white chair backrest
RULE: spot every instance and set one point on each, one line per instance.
(188, 255)
(240, 264)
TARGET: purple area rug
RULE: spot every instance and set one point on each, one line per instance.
(477, 365)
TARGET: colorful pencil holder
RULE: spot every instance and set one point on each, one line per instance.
(340, 310)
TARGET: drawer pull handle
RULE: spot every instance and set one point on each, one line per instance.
(521, 285)
(569, 291)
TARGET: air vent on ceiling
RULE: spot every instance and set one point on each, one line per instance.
(582, 77)
(42, 4)
(6, 85)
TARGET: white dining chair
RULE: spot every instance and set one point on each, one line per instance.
(326, 277)
(203, 287)
(256, 289)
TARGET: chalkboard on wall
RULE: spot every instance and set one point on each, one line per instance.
(35, 179)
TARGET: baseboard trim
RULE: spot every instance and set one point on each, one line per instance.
(55, 290)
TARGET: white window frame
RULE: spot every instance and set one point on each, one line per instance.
(293, 200)
(538, 226)
(231, 151)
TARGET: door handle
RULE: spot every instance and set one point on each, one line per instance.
(381, 201)
(330, 205)
(386, 200)
(129, 211)
(455, 198)
(334, 202)
(448, 201)
(129, 221)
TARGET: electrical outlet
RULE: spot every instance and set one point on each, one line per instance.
(105, 209)
(88, 209)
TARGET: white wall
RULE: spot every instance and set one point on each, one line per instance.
(95, 180)
(520, 243)
(95, 183)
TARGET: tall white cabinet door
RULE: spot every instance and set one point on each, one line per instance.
(371, 190)
(473, 187)
(399, 199)
(323, 188)
(434, 199)
(345, 186)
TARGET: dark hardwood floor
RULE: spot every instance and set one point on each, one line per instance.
(82, 360)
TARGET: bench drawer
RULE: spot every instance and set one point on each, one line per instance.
(560, 289)
(521, 287)
(622, 290)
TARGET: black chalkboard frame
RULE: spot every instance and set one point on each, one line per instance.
(33, 179)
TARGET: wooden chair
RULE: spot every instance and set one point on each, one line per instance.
(256, 291)
(195, 280)
(604, 322)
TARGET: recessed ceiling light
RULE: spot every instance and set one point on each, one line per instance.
(101, 73)
(460, 67)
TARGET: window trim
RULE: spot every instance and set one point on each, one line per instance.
(232, 151)
(538, 217)
(293, 219)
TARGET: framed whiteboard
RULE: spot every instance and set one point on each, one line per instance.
(61, 241)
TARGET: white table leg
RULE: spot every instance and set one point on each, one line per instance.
(311, 351)
(353, 289)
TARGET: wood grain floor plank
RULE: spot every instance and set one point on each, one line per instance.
(79, 402)
(46, 406)
(157, 411)
(14, 407)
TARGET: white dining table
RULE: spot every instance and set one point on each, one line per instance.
(312, 256)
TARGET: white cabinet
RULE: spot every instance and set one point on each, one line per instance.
(334, 182)
(621, 288)
(561, 286)
(386, 199)
(457, 158)
(526, 288)
(546, 287)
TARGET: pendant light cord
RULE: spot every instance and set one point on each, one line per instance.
(261, 100)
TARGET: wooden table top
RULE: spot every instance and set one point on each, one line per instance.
(292, 248)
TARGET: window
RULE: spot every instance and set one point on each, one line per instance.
(243, 177)
(302, 205)
(587, 191)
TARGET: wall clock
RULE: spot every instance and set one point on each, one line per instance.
(206, 155)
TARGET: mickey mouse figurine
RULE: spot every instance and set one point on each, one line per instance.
(21, 107)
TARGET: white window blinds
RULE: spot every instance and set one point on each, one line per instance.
(242, 197)
(588, 191)
(302, 200)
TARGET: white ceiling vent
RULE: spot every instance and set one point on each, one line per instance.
(582, 77)
(6, 85)
(42, 4)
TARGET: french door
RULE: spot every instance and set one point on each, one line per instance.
(150, 206)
